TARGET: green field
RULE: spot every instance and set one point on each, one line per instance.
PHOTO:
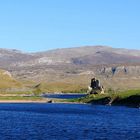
(129, 98)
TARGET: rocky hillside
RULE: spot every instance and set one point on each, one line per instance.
(117, 68)
(93, 55)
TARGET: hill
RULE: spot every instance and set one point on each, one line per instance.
(72, 68)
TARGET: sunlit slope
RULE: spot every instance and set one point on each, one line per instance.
(7, 81)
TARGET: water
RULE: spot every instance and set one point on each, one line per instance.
(33, 121)
(64, 96)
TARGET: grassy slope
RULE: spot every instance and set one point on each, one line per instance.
(10, 86)
(61, 87)
(80, 83)
(130, 98)
(6, 81)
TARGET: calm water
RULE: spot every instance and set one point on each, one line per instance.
(33, 121)
(64, 96)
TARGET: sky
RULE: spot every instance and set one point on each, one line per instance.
(39, 25)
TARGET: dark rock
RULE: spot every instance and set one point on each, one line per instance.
(114, 70)
(133, 101)
(103, 101)
(50, 101)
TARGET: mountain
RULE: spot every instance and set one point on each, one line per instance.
(117, 68)
(92, 55)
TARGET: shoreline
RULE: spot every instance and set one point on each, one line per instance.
(129, 100)
(40, 101)
(59, 102)
(23, 101)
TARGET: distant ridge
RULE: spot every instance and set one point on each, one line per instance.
(92, 55)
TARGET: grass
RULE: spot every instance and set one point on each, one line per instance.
(128, 93)
(32, 98)
(16, 92)
(60, 87)
(87, 99)
(129, 97)
(6, 81)
(12, 90)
